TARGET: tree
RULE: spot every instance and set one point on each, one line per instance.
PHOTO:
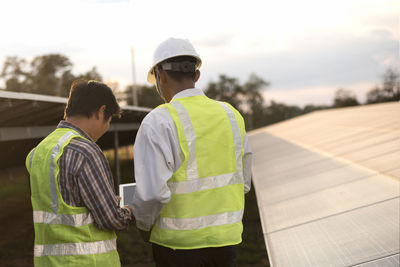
(253, 99)
(147, 96)
(390, 90)
(277, 112)
(246, 98)
(310, 108)
(14, 73)
(391, 85)
(375, 96)
(67, 78)
(226, 89)
(344, 98)
(49, 74)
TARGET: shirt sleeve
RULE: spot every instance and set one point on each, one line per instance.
(97, 192)
(155, 156)
(247, 162)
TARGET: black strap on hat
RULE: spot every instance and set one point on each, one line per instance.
(184, 66)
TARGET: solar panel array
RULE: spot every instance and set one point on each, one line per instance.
(328, 187)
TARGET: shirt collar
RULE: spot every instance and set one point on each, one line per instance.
(188, 92)
(64, 124)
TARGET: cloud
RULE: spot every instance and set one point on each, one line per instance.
(329, 59)
(108, 1)
(215, 41)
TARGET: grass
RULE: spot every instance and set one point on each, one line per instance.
(16, 243)
(13, 182)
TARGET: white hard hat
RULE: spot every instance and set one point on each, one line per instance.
(170, 48)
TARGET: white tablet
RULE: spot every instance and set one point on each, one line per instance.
(126, 191)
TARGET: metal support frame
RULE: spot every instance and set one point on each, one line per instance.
(32, 132)
(116, 162)
(21, 133)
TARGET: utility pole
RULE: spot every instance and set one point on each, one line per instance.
(134, 93)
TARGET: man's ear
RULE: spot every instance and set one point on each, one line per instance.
(196, 78)
(100, 113)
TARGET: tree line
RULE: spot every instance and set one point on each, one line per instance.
(51, 74)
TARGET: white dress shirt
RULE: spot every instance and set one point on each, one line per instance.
(157, 155)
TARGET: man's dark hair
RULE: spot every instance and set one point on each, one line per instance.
(180, 75)
(86, 97)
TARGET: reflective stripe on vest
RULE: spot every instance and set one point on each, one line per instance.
(191, 171)
(31, 157)
(71, 220)
(200, 222)
(54, 153)
(237, 138)
(205, 183)
(75, 248)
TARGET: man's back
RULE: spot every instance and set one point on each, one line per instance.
(206, 184)
(56, 223)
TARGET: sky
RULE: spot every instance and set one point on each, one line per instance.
(305, 49)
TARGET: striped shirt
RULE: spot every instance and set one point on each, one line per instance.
(85, 179)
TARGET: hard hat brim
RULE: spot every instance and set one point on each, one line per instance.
(151, 77)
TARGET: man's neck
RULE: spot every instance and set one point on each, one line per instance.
(82, 123)
(179, 87)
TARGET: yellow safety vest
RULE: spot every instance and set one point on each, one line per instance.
(207, 191)
(64, 235)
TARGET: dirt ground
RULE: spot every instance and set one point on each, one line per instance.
(16, 239)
